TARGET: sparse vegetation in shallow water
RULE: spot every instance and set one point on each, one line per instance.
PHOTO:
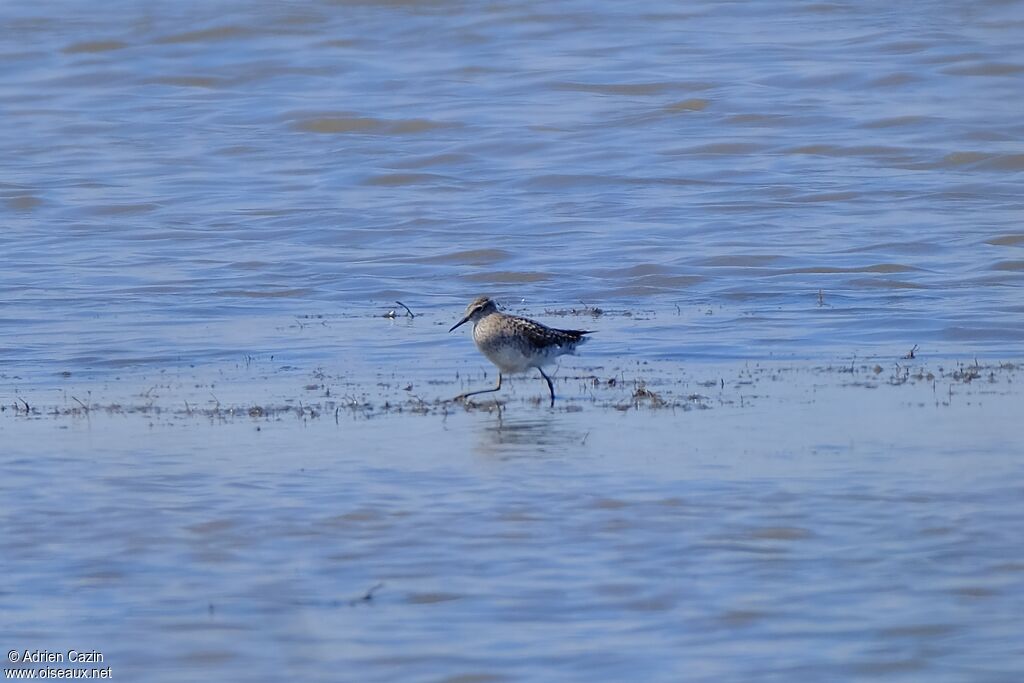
(592, 311)
(638, 387)
(967, 374)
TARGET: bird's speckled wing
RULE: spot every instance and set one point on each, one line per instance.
(543, 336)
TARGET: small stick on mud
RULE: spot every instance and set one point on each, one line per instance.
(411, 314)
(28, 408)
(910, 354)
(84, 407)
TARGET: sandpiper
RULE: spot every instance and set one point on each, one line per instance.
(516, 344)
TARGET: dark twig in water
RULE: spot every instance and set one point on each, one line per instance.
(411, 315)
(910, 354)
(367, 596)
(84, 407)
(28, 408)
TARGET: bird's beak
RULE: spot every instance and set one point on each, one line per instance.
(458, 323)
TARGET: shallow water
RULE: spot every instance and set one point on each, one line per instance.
(767, 523)
(176, 174)
(214, 440)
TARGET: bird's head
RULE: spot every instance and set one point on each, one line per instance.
(478, 308)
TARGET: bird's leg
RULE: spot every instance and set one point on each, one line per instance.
(482, 391)
(551, 388)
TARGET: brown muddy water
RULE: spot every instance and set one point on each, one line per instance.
(791, 451)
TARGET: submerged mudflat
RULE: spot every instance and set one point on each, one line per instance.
(846, 520)
(265, 392)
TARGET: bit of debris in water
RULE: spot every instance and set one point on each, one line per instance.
(367, 596)
(393, 314)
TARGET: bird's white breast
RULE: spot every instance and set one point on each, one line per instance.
(507, 357)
